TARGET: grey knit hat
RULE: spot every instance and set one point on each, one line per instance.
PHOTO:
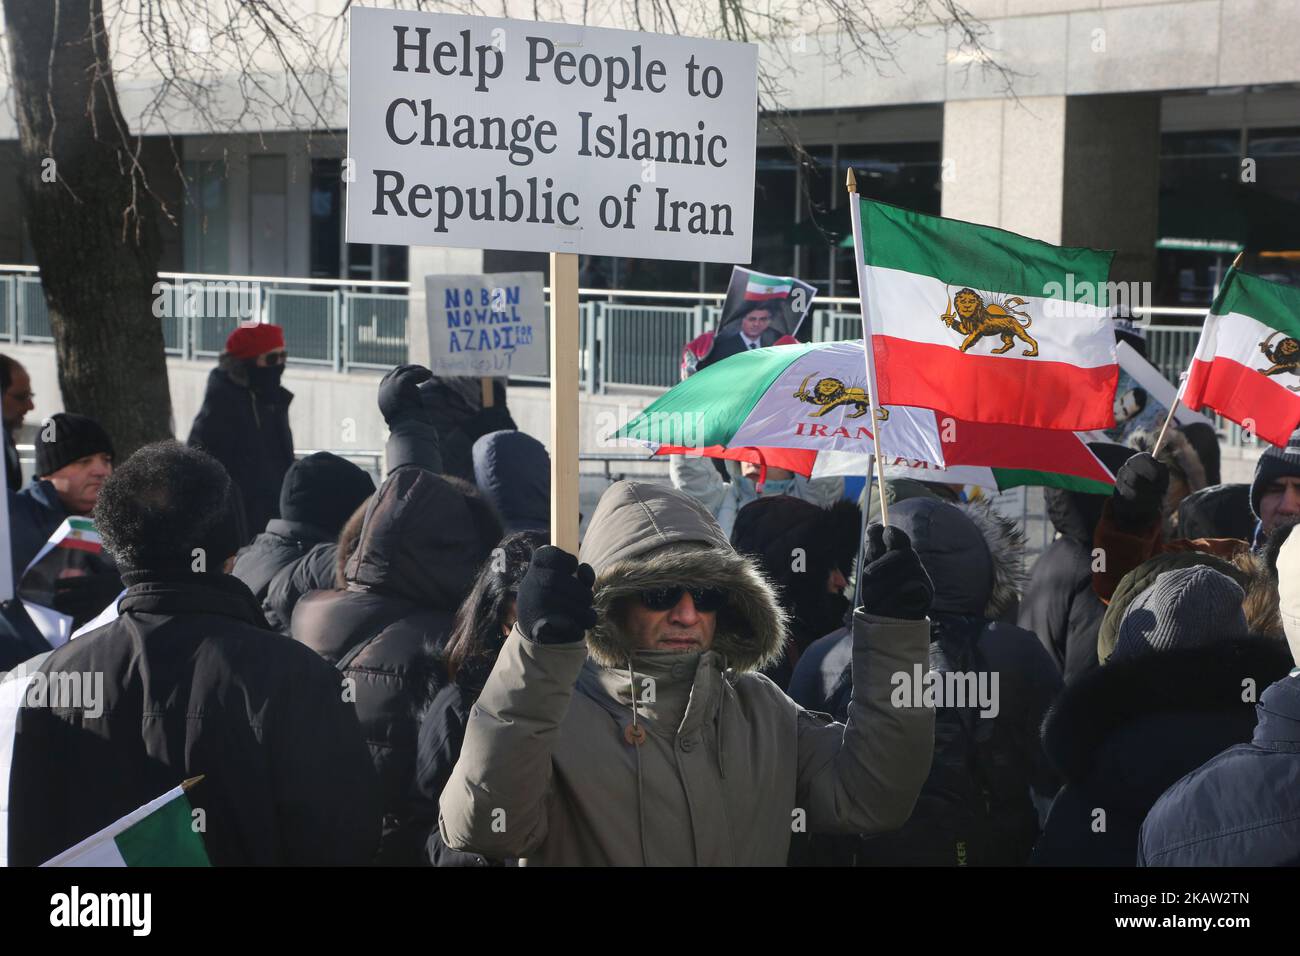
(1185, 608)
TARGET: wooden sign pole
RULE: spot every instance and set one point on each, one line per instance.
(487, 392)
(564, 400)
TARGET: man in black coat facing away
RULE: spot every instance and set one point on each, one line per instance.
(193, 682)
(244, 421)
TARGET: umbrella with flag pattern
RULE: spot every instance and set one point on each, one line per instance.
(805, 408)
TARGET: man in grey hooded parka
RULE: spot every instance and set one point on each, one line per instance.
(604, 753)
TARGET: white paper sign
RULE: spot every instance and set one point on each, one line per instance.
(545, 137)
(492, 324)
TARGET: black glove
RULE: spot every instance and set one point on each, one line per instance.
(894, 582)
(554, 601)
(406, 393)
(83, 597)
(1140, 490)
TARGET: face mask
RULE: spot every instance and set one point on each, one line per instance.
(782, 487)
(262, 379)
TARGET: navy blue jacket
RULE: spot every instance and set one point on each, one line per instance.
(35, 513)
(513, 470)
(1241, 808)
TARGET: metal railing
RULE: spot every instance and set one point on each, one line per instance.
(630, 339)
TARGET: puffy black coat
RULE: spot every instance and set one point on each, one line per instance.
(249, 434)
(195, 683)
(972, 555)
(420, 548)
(1121, 735)
(281, 544)
(1240, 808)
(1060, 605)
(442, 734)
(314, 571)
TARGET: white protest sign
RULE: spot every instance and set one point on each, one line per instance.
(487, 324)
(545, 137)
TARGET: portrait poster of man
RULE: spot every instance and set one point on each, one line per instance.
(1143, 397)
(759, 311)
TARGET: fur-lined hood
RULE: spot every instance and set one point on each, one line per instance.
(645, 536)
(974, 555)
(1085, 721)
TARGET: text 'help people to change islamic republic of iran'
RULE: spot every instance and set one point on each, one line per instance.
(543, 137)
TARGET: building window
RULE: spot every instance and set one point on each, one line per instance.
(1223, 191)
(206, 218)
(268, 215)
(331, 257)
(326, 229)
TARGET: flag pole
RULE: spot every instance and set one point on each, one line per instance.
(1182, 384)
(862, 534)
(868, 351)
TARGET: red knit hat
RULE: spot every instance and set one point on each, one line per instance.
(250, 341)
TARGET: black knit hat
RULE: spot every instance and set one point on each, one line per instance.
(323, 490)
(64, 438)
(1275, 463)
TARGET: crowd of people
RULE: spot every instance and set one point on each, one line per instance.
(729, 672)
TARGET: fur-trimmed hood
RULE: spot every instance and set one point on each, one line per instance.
(974, 555)
(1098, 718)
(645, 536)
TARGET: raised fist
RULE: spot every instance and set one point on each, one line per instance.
(404, 393)
(554, 604)
(894, 582)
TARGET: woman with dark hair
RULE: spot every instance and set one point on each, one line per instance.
(482, 624)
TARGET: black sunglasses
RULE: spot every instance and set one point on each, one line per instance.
(664, 599)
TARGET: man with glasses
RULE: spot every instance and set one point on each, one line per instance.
(244, 421)
(625, 722)
(16, 390)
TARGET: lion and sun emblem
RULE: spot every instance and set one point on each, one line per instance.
(1285, 357)
(969, 314)
(831, 393)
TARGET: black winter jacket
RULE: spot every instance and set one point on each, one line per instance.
(1123, 734)
(314, 571)
(1060, 605)
(415, 561)
(972, 555)
(194, 683)
(442, 734)
(249, 434)
(281, 544)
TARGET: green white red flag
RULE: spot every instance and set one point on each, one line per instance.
(1247, 363)
(160, 833)
(986, 325)
(805, 408)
